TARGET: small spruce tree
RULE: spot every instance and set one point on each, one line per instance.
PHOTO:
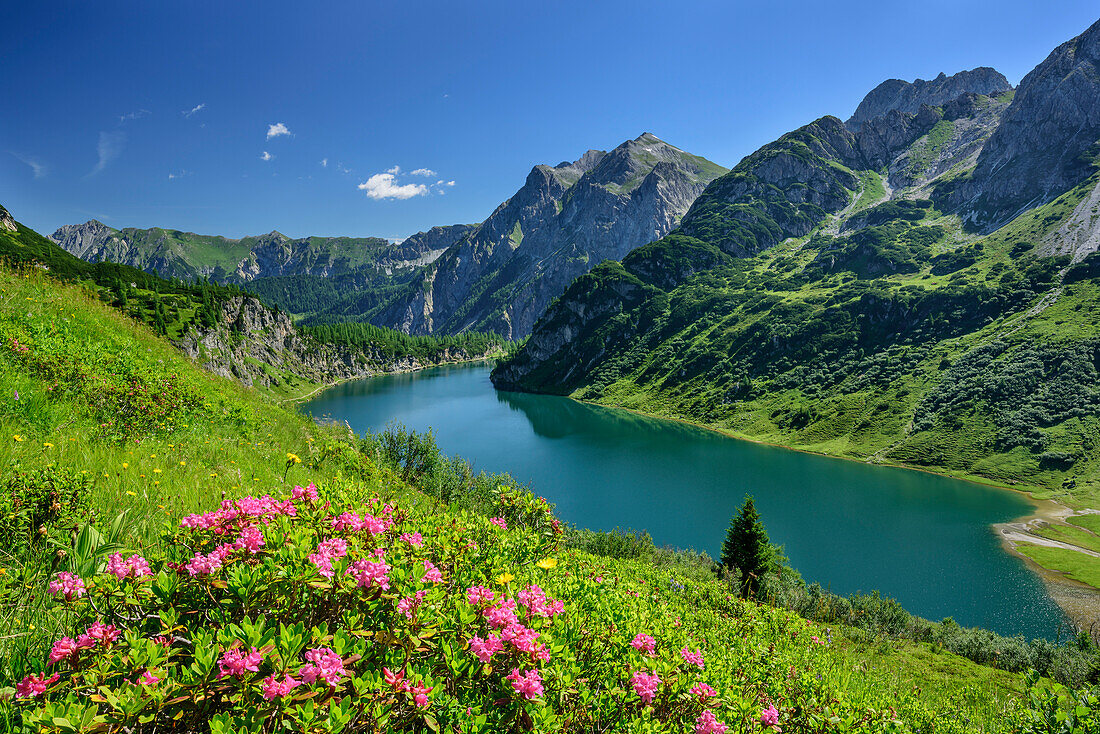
(747, 548)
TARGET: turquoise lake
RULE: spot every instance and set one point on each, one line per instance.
(923, 539)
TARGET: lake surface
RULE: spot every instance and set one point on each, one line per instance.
(922, 539)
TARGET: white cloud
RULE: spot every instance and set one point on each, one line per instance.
(394, 171)
(423, 172)
(134, 115)
(450, 183)
(383, 186)
(109, 147)
(324, 163)
(266, 156)
(193, 110)
(37, 166)
(274, 131)
(181, 174)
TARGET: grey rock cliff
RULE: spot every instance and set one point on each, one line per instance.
(256, 345)
(564, 220)
(903, 96)
(1047, 141)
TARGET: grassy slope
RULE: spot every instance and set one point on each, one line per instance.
(236, 441)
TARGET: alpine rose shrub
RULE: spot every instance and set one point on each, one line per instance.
(270, 615)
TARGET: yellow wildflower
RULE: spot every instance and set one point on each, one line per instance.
(132, 494)
(47, 445)
(293, 459)
(125, 465)
(504, 578)
(547, 563)
(156, 471)
(17, 438)
(183, 463)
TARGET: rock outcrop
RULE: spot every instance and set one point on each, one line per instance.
(903, 96)
(257, 345)
(562, 222)
(1047, 142)
(7, 221)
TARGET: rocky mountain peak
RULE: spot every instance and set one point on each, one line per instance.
(7, 221)
(1046, 142)
(903, 96)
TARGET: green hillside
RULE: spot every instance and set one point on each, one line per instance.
(111, 437)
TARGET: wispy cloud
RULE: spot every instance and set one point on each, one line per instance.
(385, 186)
(134, 115)
(266, 156)
(197, 108)
(180, 174)
(324, 163)
(37, 166)
(109, 147)
(423, 172)
(274, 131)
(394, 171)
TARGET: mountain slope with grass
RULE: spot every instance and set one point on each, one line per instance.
(564, 220)
(235, 334)
(341, 598)
(841, 292)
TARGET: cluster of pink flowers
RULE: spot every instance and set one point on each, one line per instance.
(703, 692)
(98, 634)
(708, 723)
(68, 585)
(273, 687)
(483, 649)
(34, 685)
(356, 523)
(501, 614)
(644, 643)
(236, 514)
(527, 684)
(200, 564)
(432, 574)
(370, 573)
(324, 664)
(523, 639)
(327, 552)
(645, 685)
(692, 658)
(479, 595)
(419, 691)
(135, 566)
(770, 716)
(414, 539)
(500, 522)
(308, 493)
(409, 604)
(534, 598)
(233, 663)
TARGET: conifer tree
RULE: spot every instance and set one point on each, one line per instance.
(747, 548)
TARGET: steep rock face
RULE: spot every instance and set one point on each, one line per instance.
(254, 344)
(1046, 142)
(903, 96)
(7, 222)
(562, 222)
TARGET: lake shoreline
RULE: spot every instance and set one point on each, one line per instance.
(1080, 601)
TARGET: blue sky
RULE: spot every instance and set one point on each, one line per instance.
(162, 114)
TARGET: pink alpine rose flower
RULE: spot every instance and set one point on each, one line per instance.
(527, 684)
(770, 716)
(233, 663)
(500, 522)
(644, 643)
(692, 658)
(275, 688)
(68, 585)
(707, 723)
(34, 685)
(62, 649)
(645, 685)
